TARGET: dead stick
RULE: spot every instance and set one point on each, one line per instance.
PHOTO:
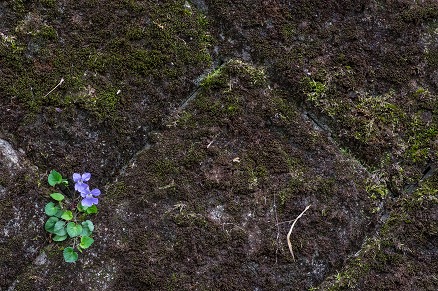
(290, 232)
(60, 82)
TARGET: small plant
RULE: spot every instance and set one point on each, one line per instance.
(68, 215)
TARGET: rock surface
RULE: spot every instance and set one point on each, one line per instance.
(210, 126)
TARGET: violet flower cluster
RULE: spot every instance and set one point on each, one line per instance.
(89, 196)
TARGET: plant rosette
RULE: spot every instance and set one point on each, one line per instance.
(68, 217)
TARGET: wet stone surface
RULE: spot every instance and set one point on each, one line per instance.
(210, 126)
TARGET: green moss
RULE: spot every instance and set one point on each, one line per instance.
(251, 75)
(215, 79)
(185, 120)
(315, 90)
(184, 218)
(164, 168)
(377, 191)
(116, 191)
(18, 6)
(145, 62)
(220, 77)
(288, 30)
(104, 104)
(134, 6)
(420, 13)
(293, 188)
(135, 33)
(222, 80)
(386, 250)
(286, 111)
(47, 32)
(48, 3)
(426, 193)
(180, 43)
(421, 135)
(193, 156)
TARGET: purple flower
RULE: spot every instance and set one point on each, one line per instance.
(80, 180)
(89, 196)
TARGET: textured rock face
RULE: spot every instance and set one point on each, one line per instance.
(8, 155)
(209, 126)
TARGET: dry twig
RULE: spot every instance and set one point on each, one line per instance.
(290, 232)
(59, 84)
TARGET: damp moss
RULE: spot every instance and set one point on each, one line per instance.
(216, 78)
(179, 43)
(420, 137)
(116, 191)
(164, 168)
(189, 219)
(385, 122)
(104, 104)
(47, 32)
(387, 249)
(193, 156)
(48, 3)
(420, 13)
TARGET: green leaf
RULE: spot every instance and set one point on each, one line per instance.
(61, 232)
(67, 215)
(59, 213)
(91, 210)
(86, 242)
(50, 224)
(59, 228)
(87, 228)
(54, 178)
(57, 196)
(74, 229)
(80, 207)
(89, 224)
(59, 225)
(59, 237)
(70, 256)
(51, 209)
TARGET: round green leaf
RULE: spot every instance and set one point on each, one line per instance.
(60, 237)
(74, 229)
(80, 207)
(60, 232)
(59, 228)
(89, 224)
(86, 242)
(59, 225)
(67, 215)
(54, 178)
(87, 228)
(59, 213)
(85, 231)
(50, 224)
(57, 196)
(51, 209)
(91, 210)
(70, 256)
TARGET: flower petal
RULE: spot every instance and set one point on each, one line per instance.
(95, 192)
(76, 177)
(87, 202)
(86, 177)
(82, 188)
(95, 201)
